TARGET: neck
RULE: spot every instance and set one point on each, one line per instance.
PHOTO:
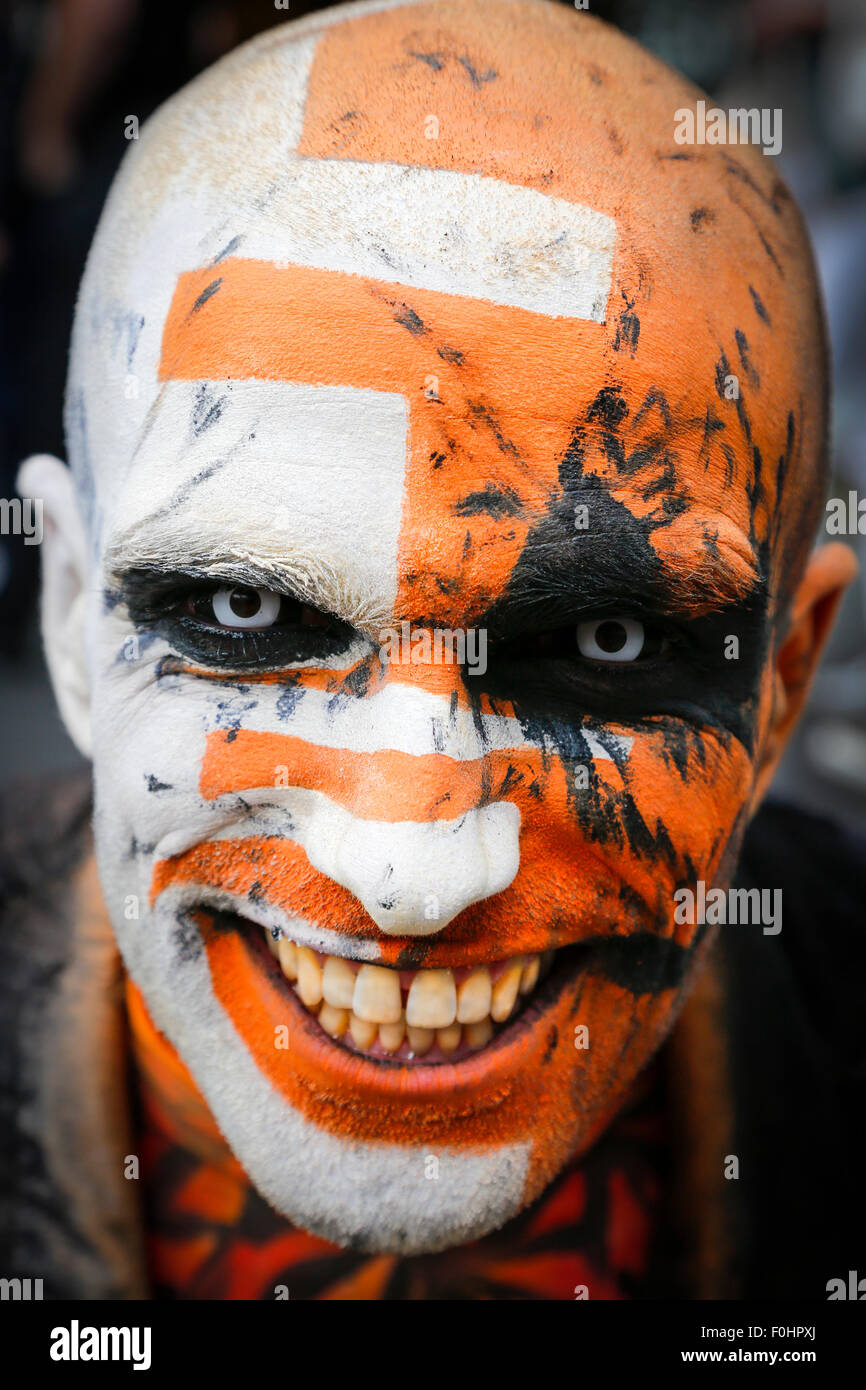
(172, 1105)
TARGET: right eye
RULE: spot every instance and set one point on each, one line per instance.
(235, 626)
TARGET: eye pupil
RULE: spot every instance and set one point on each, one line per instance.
(611, 636)
(611, 639)
(244, 603)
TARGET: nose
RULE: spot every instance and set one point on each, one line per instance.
(442, 847)
(414, 878)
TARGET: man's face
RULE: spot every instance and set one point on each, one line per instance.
(390, 910)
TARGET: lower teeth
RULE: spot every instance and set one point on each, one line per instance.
(389, 1013)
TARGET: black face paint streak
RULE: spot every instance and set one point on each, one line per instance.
(741, 174)
(475, 77)
(433, 60)
(627, 327)
(650, 452)
(450, 354)
(413, 956)
(186, 489)
(289, 698)
(228, 250)
(609, 407)
(207, 293)
(654, 400)
(512, 779)
(759, 306)
(712, 426)
(683, 746)
(168, 666)
(447, 586)
(755, 491)
(486, 416)
(799, 534)
(644, 964)
(137, 848)
(552, 1040)
(723, 371)
(154, 784)
(768, 250)
(231, 714)
(186, 940)
(437, 459)
(611, 817)
(207, 408)
(700, 218)
(743, 349)
(407, 318)
(135, 328)
(492, 501)
(664, 482)
(357, 681)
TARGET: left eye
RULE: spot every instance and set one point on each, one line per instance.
(238, 607)
(611, 639)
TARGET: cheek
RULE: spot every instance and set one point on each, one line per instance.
(605, 843)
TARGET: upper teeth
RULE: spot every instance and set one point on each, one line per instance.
(432, 1001)
(376, 997)
(369, 1004)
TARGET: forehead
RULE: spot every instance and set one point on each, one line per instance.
(465, 271)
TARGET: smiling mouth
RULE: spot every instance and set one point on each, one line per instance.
(406, 1015)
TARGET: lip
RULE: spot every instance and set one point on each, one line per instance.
(401, 953)
(317, 1050)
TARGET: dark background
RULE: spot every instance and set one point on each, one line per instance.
(71, 71)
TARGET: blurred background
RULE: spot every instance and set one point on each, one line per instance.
(72, 71)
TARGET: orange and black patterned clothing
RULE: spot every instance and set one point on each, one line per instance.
(767, 1063)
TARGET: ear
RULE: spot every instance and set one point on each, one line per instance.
(64, 589)
(813, 609)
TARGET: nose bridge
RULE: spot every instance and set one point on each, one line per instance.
(415, 841)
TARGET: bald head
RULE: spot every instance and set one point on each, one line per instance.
(521, 157)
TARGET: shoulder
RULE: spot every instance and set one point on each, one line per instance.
(797, 1047)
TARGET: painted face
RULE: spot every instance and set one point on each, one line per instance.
(408, 327)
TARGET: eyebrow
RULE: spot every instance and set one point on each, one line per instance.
(708, 574)
(136, 569)
(711, 576)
